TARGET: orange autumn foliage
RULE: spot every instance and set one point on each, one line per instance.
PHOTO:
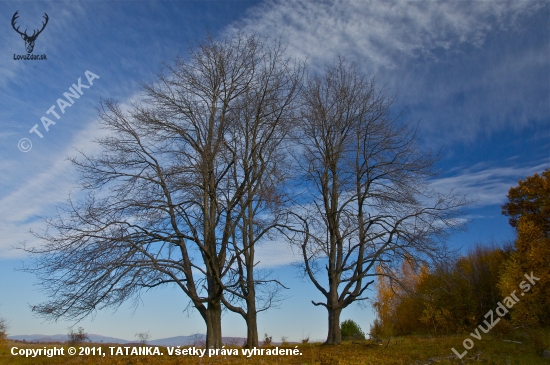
(455, 296)
(528, 209)
(449, 298)
(396, 305)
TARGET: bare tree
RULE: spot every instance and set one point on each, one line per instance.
(162, 202)
(3, 330)
(368, 197)
(78, 336)
(259, 140)
(143, 337)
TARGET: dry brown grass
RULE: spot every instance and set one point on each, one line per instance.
(400, 350)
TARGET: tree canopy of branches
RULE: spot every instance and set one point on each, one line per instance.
(181, 177)
(368, 200)
(193, 176)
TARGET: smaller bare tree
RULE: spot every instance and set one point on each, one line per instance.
(368, 199)
(78, 336)
(261, 122)
(143, 337)
(3, 330)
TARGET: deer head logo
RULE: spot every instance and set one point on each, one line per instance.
(29, 40)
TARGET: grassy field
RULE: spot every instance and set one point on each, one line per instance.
(400, 350)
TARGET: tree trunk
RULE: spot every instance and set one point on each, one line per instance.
(251, 322)
(334, 334)
(214, 325)
(252, 331)
(250, 290)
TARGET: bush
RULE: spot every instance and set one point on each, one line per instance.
(3, 331)
(351, 331)
(267, 340)
(77, 337)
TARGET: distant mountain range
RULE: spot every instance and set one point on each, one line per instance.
(63, 338)
(170, 341)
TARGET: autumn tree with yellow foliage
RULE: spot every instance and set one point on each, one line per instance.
(528, 209)
(397, 305)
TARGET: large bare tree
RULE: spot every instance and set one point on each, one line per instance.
(368, 200)
(165, 197)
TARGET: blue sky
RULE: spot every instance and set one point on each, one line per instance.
(474, 74)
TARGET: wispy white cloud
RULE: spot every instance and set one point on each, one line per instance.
(40, 194)
(381, 32)
(433, 53)
(275, 253)
(486, 185)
